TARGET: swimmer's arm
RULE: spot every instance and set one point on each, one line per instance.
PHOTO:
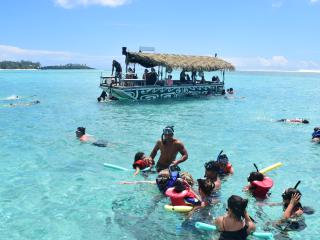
(249, 223)
(184, 155)
(137, 171)
(138, 182)
(154, 152)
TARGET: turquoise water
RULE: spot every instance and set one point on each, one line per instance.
(53, 187)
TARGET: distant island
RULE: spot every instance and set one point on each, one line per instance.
(36, 65)
(67, 66)
(19, 65)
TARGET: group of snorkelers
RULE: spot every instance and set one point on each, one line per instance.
(315, 137)
(20, 103)
(179, 187)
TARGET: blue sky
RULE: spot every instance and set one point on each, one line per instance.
(252, 34)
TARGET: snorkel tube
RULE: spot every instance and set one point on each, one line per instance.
(219, 154)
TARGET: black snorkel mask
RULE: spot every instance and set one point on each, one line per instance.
(167, 130)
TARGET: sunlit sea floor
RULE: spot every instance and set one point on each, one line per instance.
(53, 187)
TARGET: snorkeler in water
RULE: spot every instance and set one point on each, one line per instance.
(83, 137)
(22, 104)
(316, 135)
(259, 184)
(297, 120)
(206, 188)
(225, 167)
(212, 172)
(141, 162)
(236, 223)
(181, 194)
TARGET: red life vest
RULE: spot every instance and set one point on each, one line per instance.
(177, 199)
(141, 164)
(228, 168)
(261, 188)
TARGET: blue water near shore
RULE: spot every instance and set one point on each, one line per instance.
(53, 187)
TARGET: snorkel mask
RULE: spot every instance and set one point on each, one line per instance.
(222, 158)
(168, 130)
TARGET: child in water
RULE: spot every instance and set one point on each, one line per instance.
(291, 203)
(206, 188)
(225, 167)
(212, 173)
(181, 194)
(141, 162)
(236, 224)
(259, 184)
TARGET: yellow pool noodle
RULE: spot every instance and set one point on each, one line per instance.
(178, 208)
(274, 166)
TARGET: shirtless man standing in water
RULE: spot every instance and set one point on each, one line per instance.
(169, 148)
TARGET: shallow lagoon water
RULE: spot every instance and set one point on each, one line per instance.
(53, 187)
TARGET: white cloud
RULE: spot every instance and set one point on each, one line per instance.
(12, 52)
(259, 62)
(277, 4)
(314, 1)
(275, 63)
(45, 57)
(75, 3)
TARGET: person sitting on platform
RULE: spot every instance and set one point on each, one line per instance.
(215, 79)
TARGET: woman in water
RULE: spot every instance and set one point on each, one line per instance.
(236, 224)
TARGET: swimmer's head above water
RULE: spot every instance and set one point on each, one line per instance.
(80, 132)
(167, 133)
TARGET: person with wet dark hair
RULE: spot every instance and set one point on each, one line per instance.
(169, 148)
(181, 194)
(225, 167)
(83, 137)
(291, 203)
(206, 188)
(141, 162)
(259, 184)
(236, 224)
(212, 173)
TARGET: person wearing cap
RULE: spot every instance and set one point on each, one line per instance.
(169, 148)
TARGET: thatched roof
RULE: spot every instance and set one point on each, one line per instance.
(175, 61)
